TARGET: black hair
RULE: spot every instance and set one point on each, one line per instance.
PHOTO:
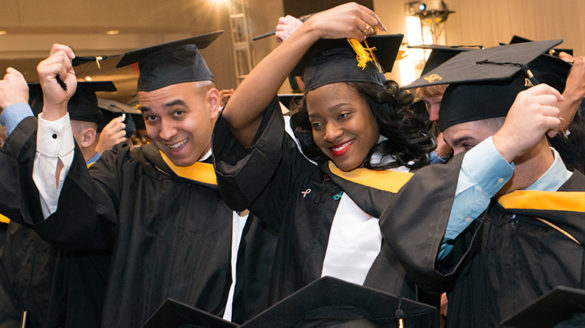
(409, 142)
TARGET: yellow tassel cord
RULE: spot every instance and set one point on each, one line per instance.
(364, 54)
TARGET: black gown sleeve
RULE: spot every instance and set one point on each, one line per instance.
(86, 212)
(10, 202)
(262, 178)
(415, 224)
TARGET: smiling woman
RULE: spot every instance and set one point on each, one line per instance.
(352, 120)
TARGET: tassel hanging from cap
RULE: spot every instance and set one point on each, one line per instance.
(364, 54)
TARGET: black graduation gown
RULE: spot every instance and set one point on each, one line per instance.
(58, 288)
(298, 200)
(504, 260)
(169, 236)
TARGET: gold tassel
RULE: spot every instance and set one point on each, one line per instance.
(364, 54)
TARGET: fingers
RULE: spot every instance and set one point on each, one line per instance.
(544, 89)
(115, 126)
(371, 19)
(62, 48)
(58, 63)
(10, 71)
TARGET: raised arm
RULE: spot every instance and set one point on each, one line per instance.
(244, 110)
(55, 143)
(13, 100)
(55, 97)
(574, 92)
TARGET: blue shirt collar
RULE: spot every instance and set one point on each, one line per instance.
(556, 175)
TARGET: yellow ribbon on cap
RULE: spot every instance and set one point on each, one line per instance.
(364, 55)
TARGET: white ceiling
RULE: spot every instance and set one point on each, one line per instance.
(33, 25)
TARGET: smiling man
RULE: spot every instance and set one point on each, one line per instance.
(156, 206)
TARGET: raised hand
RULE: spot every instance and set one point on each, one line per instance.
(55, 97)
(112, 134)
(534, 113)
(349, 20)
(13, 88)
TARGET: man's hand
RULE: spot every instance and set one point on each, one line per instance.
(13, 89)
(112, 134)
(533, 114)
(55, 98)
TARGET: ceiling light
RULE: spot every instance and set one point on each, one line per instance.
(112, 32)
(3, 32)
(88, 78)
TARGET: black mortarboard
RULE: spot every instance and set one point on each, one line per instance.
(174, 314)
(439, 54)
(560, 307)
(83, 105)
(479, 101)
(551, 70)
(172, 62)
(330, 302)
(552, 52)
(334, 60)
(465, 101)
(111, 109)
(548, 68)
(491, 64)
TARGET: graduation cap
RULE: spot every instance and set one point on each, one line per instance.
(439, 54)
(484, 83)
(561, 305)
(330, 302)
(491, 64)
(334, 60)
(553, 52)
(83, 105)
(482, 100)
(174, 314)
(111, 109)
(171, 62)
(551, 70)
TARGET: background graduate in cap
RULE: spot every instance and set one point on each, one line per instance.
(503, 222)
(55, 287)
(156, 207)
(326, 215)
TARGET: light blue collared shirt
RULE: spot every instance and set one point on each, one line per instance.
(93, 159)
(483, 173)
(436, 159)
(14, 114)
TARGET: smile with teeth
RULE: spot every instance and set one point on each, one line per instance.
(177, 145)
(339, 150)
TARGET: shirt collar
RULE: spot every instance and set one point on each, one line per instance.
(556, 175)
